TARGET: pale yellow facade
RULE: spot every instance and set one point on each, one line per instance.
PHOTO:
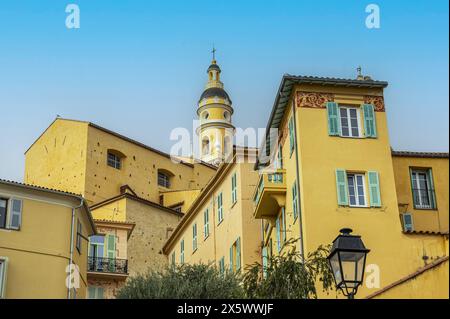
(34, 257)
(230, 224)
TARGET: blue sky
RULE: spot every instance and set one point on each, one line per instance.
(139, 67)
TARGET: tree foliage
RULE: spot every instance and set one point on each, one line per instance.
(183, 282)
(287, 277)
(284, 276)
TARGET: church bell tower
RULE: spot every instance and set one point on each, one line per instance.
(214, 112)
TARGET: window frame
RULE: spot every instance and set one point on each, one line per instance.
(115, 162)
(79, 238)
(355, 187)
(163, 179)
(194, 238)
(182, 252)
(3, 276)
(220, 208)
(234, 188)
(6, 200)
(350, 128)
(206, 223)
(428, 191)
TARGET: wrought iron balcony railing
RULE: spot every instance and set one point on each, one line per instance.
(108, 265)
(424, 198)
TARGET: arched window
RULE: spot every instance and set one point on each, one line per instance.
(205, 115)
(226, 115)
(205, 145)
(164, 178)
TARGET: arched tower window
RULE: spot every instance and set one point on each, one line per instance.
(205, 115)
(205, 145)
(226, 115)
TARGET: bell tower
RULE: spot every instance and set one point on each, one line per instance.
(214, 112)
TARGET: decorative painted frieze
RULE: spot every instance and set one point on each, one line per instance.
(377, 101)
(313, 100)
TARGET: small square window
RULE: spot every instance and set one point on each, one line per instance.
(114, 161)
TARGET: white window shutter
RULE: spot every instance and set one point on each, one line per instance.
(16, 214)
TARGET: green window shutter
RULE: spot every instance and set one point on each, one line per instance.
(432, 194)
(280, 156)
(291, 135)
(16, 214)
(370, 127)
(278, 234)
(111, 246)
(283, 223)
(341, 186)
(294, 200)
(374, 189)
(231, 258)
(238, 254)
(333, 119)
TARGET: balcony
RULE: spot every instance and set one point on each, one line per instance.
(270, 194)
(107, 267)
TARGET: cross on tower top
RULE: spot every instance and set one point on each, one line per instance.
(214, 53)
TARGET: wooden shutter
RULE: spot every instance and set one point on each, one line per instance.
(238, 253)
(231, 258)
(432, 194)
(333, 119)
(341, 186)
(408, 224)
(111, 246)
(283, 223)
(278, 234)
(370, 127)
(374, 189)
(291, 135)
(16, 214)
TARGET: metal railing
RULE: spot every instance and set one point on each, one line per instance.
(424, 198)
(108, 265)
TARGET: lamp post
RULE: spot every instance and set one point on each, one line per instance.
(348, 261)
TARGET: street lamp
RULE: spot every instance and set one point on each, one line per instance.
(348, 260)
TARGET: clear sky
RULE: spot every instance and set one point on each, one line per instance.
(139, 67)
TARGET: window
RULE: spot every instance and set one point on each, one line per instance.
(280, 224)
(114, 160)
(14, 208)
(291, 135)
(345, 120)
(182, 252)
(205, 146)
(222, 265)
(97, 246)
(3, 270)
(3, 211)
(233, 188)
(205, 115)
(163, 180)
(220, 208)
(173, 259)
(295, 200)
(235, 255)
(226, 115)
(279, 163)
(206, 223)
(408, 224)
(356, 190)
(194, 237)
(95, 292)
(422, 189)
(79, 236)
(349, 121)
(264, 261)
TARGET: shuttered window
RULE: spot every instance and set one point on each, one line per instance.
(79, 236)
(370, 127)
(333, 119)
(295, 207)
(291, 135)
(219, 208)
(277, 226)
(233, 188)
(206, 223)
(182, 252)
(194, 237)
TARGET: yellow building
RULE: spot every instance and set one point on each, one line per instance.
(42, 232)
(87, 159)
(219, 228)
(332, 168)
(422, 190)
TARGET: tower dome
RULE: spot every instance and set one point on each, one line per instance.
(214, 111)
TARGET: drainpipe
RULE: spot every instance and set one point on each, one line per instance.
(74, 209)
(298, 185)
